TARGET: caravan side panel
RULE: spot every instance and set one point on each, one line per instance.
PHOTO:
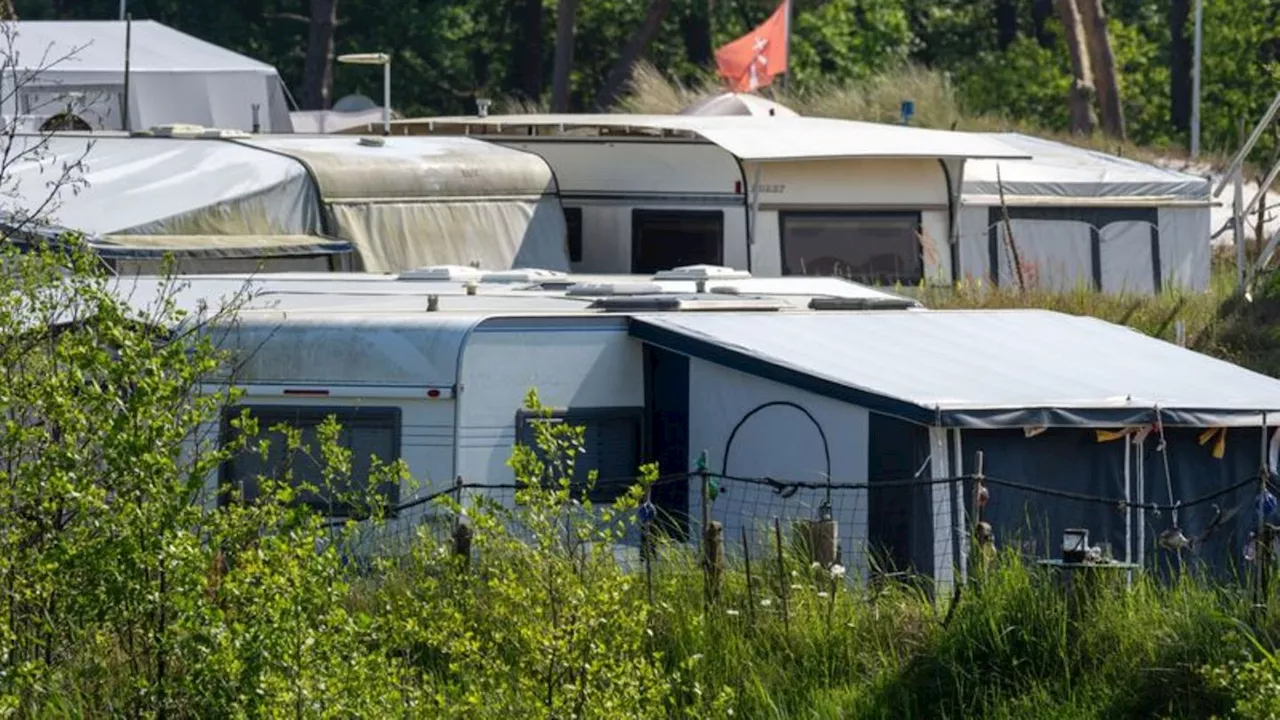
(605, 183)
(572, 363)
(752, 427)
(852, 186)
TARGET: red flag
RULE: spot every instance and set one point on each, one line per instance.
(752, 61)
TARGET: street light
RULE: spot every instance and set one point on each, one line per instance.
(384, 60)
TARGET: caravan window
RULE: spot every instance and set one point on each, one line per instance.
(664, 239)
(611, 446)
(873, 248)
(366, 431)
(573, 229)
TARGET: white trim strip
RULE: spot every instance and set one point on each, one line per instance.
(321, 390)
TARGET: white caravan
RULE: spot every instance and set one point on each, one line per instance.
(814, 380)
(776, 196)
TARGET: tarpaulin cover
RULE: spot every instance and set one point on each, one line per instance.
(977, 369)
(161, 186)
(173, 77)
(412, 201)
(404, 204)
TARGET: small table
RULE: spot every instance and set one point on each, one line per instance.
(1078, 600)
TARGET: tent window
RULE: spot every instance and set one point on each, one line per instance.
(865, 247)
(367, 432)
(573, 228)
(611, 446)
(664, 239)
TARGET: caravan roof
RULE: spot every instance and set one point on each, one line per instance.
(352, 294)
(759, 139)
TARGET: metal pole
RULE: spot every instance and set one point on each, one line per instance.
(1242, 153)
(386, 97)
(1195, 81)
(128, 40)
(123, 3)
(1237, 217)
(786, 33)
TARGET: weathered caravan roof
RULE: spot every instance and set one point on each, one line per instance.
(203, 193)
(465, 290)
(979, 369)
(758, 139)
(370, 330)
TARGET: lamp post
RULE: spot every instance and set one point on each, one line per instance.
(1197, 42)
(384, 60)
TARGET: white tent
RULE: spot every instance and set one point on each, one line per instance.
(401, 203)
(173, 78)
(333, 121)
(1083, 218)
(738, 104)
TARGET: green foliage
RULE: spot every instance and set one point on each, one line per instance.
(1025, 81)
(542, 622)
(124, 588)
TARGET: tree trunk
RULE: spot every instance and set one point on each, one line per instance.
(1080, 99)
(317, 78)
(7, 12)
(636, 44)
(1006, 23)
(1103, 62)
(531, 63)
(1180, 50)
(565, 12)
(697, 33)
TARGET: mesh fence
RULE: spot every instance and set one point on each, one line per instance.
(931, 527)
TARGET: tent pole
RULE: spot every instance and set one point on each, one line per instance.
(386, 97)
(128, 39)
(1128, 513)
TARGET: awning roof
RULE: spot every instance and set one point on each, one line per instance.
(978, 369)
(757, 139)
(1061, 170)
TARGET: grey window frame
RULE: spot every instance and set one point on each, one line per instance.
(607, 488)
(639, 216)
(913, 215)
(301, 416)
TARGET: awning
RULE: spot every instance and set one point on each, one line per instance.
(977, 369)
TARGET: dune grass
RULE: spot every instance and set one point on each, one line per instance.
(876, 99)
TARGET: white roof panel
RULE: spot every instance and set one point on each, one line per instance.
(765, 139)
(981, 369)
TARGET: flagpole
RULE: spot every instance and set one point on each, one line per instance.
(787, 45)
